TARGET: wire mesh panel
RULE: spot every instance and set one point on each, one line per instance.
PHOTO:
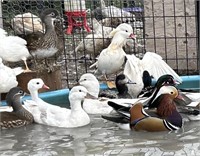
(167, 27)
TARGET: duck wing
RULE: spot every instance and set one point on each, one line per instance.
(157, 67)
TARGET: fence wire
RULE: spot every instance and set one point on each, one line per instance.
(167, 27)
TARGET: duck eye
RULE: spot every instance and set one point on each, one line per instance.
(80, 90)
(37, 83)
(172, 92)
(126, 30)
(52, 14)
(20, 92)
(85, 79)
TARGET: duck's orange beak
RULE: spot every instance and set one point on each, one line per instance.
(45, 87)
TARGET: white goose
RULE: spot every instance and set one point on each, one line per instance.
(52, 115)
(8, 78)
(151, 62)
(13, 48)
(112, 58)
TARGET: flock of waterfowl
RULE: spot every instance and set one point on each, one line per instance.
(137, 104)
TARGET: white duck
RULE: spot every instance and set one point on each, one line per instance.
(98, 105)
(8, 78)
(13, 48)
(52, 115)
(112, 58)
(151, 62)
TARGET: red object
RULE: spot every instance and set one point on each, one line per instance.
(71, 16)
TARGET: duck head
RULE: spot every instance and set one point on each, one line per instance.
(164, 101)
(121, 83)
(36, 84)
(90, 82)
(166, 80)
(14, 95)
(49, 15)
(79, 93)
(124, 27)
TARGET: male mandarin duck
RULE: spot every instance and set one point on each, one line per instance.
(151, 62)
(111, 59)
(13, 49)
(47, 44)
(19, 116)
(52, 115)
(164, 117)
(8, 77)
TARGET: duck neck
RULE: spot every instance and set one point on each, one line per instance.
(16, 104)
(49, 26)
(34, 95)
(76, 104)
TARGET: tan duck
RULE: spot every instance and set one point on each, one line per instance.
(43, 46)
(19, 116)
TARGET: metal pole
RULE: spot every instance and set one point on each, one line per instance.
(1, 17)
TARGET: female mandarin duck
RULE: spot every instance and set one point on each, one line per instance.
(13, 49)
(19, 116)
(48, 44)
(112, 58)
(52, 115)
(8, 77)
(164, 117)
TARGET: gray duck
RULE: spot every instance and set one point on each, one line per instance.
(48, 44)
(19, 116)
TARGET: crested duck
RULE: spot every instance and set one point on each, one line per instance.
(52, 115)
(26, 23)
(13, 49)
(97, 105)
(164, 117)
(150, 62)
(8, 77)
(45, 45)
(112, 58)
(19, 116)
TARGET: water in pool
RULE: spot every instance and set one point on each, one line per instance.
(100, 137)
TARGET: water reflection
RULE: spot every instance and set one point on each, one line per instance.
(99, 138)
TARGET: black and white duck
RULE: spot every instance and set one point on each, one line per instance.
(19, 116)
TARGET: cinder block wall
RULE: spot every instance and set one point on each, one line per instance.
(170, 30)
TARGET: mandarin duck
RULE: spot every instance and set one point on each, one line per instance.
(19, 116)
(45, 45)
(128, 117)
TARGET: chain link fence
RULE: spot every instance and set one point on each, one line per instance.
(168, 28)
